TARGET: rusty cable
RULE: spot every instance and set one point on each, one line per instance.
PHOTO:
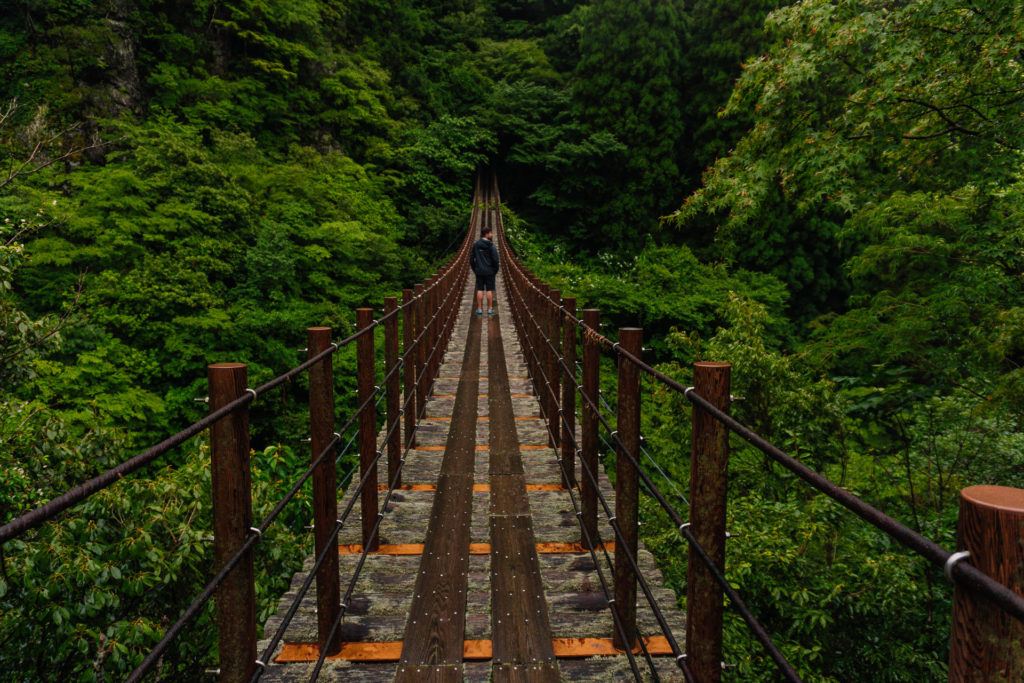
(648, 594)
(393, 484)
(963, 573)
(757, 629)
(193, 609)
(331, 540)
(72, 497)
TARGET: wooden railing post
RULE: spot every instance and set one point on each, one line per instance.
(421, 352)
(569, 393)
(709, 466)
(588, 450)
(367, 427)
(409, 371)
(554, 369)
(393, 387)
(986, 643)
(325, 487)
(627, 485)
(232, 519)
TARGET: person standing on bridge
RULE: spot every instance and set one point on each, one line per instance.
(483, 259)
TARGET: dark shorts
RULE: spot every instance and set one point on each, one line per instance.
(485, 283)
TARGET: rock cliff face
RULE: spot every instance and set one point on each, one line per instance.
(124, 91)
(116, 88)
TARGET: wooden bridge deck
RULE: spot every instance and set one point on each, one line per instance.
(479, 575)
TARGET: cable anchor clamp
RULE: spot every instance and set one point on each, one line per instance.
(953, 561)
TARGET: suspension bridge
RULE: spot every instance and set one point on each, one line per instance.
(480, 537)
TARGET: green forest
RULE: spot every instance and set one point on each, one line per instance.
(829, 194)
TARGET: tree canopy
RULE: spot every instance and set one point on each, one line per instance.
(827, 193)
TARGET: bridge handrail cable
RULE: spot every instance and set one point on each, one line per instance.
(85, 490)
(760, 633)
(206, 594)
(961, 572)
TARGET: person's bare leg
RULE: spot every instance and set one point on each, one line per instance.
(479, 298)
(490, 299)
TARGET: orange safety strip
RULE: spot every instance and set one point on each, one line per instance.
(409, 487)
(545, 487)
(602, 647)
(383, 549)
(404, 549)
(472, 650)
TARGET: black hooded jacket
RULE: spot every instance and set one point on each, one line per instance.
(483, 258)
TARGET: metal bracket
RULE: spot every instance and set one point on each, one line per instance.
(953, 561)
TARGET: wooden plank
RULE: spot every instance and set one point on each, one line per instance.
(525, 673)
(519, 621)
(472, 650)
(437, 618)
(406, 549)
(519, 614)
(508, 495)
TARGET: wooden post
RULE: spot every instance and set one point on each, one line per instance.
(393, 387)
(421, 352)
(325, 486)
(987, 644)
(232, 519)
(554, 368)
(709, 466)
(408, 335)
(627, 485)
(569, 393)
(367, 427)
(588, 451)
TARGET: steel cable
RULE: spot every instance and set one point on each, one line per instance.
(962, 572)
(54, 507)
(620, 628)
(365, 552)
(192, 611)
(339, 524)
(612, 522)
(199, 601)
(758, 630)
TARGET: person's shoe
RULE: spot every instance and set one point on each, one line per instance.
(479, 311)
(490, 311)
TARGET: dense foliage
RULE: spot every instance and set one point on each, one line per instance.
(827, 193)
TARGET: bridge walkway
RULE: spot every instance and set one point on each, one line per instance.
(480, 574)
